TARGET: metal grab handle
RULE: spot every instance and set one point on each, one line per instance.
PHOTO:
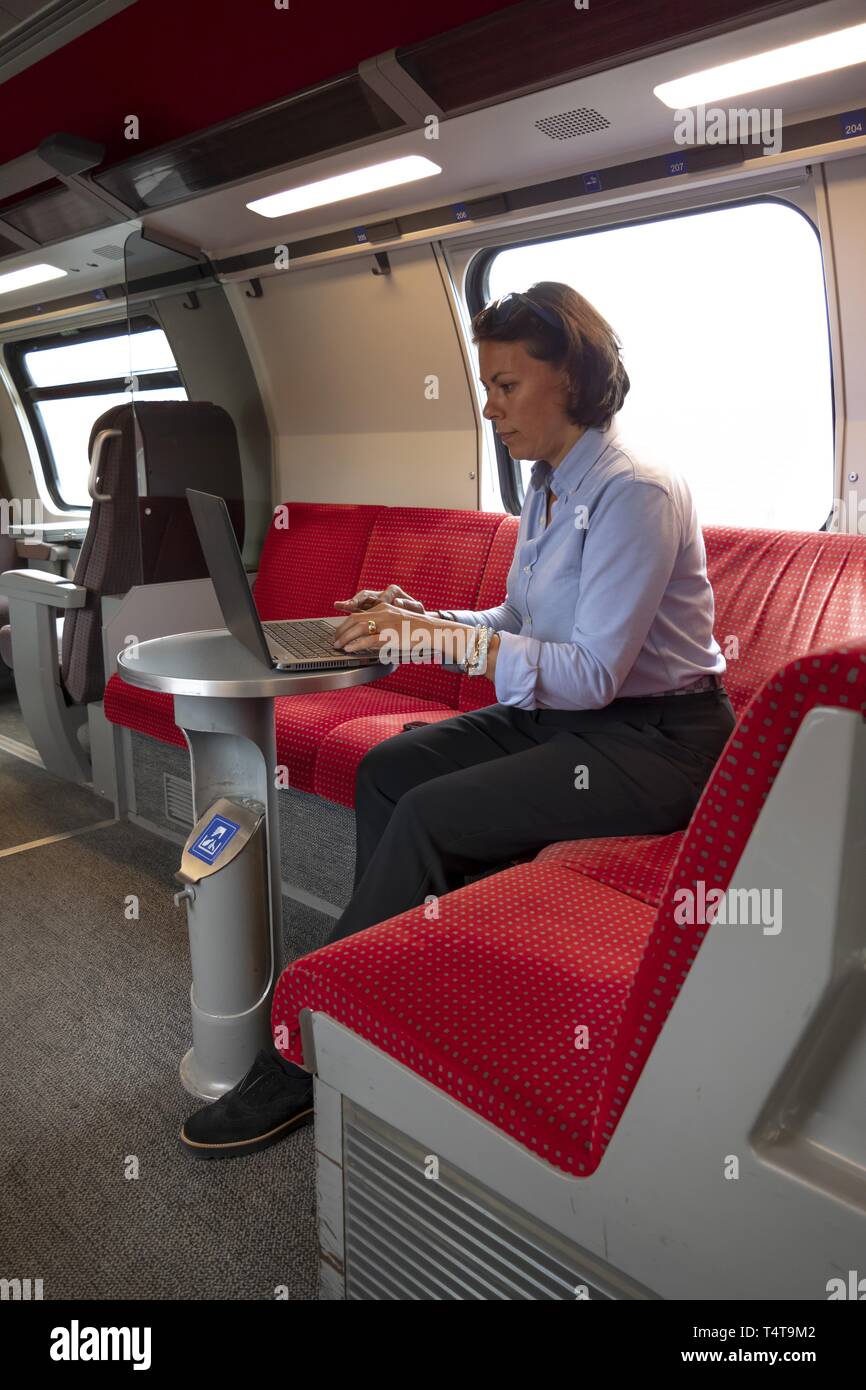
(93, 475)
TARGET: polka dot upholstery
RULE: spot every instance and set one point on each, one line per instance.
(486, 1002)
(477, 691)
(315, 559)
(332, 551)
(146, 711)
(438, 557)
(779, 594)
(304, 724)
(344, 746)
(635, 864)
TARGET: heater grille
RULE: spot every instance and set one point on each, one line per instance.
(178, 799)
(583, 120)
(410, 1237)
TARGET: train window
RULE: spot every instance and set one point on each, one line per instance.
(723, 319)
(66, 381)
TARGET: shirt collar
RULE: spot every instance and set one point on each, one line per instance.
(571, 472)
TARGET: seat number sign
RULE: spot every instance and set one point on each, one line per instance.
(213, 839)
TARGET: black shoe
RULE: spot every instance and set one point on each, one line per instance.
(265, 1106)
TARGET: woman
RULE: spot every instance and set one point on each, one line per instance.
(610, 712)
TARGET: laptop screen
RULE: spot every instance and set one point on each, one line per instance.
(226, 568)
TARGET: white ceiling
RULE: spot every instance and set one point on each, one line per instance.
(500, 148)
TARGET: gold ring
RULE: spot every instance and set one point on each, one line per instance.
(371, 625)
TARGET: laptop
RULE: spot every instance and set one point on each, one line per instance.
(300, 644)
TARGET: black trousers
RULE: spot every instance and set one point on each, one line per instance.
(465, 796)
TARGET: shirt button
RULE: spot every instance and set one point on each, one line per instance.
(526, 569)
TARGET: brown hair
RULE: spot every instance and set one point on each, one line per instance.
(585, 346)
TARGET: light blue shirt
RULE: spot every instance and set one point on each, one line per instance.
(612, 598)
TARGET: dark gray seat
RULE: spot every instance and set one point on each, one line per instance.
(143, 458)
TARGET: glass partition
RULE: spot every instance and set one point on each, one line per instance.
(184, 435)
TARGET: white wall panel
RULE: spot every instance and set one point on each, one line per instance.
(343, 359)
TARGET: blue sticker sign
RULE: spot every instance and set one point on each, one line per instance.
(853, 123)
(213, 839)
(677, 164)
(460, 212)
(360, 234)
(592, 183)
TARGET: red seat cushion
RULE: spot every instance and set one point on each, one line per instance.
(341, 750)
(484, 1002)
(144, 711)
(639, 865)
(304, 722)
(301, 722)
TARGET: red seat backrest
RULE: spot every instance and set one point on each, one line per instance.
(779, 594)
(437, 556)
(313, 560)
(717, 835)
(477, 691)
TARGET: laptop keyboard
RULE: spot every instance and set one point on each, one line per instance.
(310, 639)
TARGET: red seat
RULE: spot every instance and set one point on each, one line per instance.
(344, 746)
(486, 1001)
(635, 864)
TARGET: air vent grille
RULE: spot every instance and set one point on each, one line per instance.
(178, 799)
(567, 124)
(111, 253)
(409, 1237)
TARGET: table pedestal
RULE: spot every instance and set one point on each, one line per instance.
(224, 703)
(232, 753)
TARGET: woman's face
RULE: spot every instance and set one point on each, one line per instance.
(526, 400)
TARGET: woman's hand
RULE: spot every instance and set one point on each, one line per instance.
(421, 639)
(396, 628)
(367, 598)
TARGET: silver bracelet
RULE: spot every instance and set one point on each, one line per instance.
(476, 665)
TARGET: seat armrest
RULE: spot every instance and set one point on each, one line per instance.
(39, 586)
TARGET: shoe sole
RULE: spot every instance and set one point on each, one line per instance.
(238, 1148)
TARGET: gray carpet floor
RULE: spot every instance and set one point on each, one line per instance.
(94, 1017)
(11, 723)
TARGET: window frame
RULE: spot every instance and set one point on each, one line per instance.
(477, 293)
(30, 395)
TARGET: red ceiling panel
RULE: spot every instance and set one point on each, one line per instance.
(183, 65)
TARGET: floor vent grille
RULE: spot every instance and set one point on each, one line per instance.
(583, 120)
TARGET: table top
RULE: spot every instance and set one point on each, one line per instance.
(214, 663)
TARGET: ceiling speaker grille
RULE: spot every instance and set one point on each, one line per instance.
(582, 121)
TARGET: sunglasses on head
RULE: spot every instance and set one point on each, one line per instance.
(503, 309)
